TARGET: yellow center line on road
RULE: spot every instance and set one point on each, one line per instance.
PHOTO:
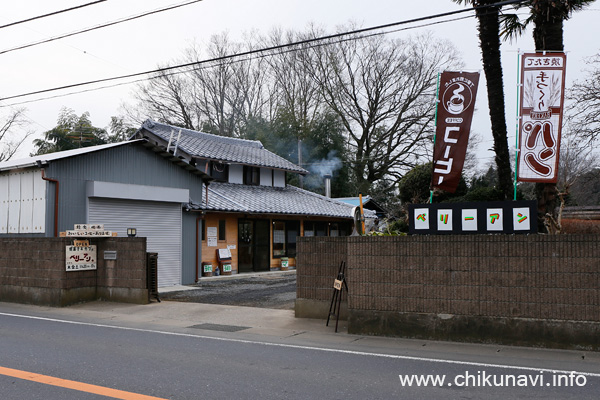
(82, 387)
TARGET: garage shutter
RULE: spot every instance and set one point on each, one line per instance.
(159, 222)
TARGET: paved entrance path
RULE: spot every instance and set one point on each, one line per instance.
(264, 290)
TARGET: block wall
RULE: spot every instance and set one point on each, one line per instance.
(32, 270)
(484, 287)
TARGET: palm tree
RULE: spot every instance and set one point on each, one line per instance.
(547, 17)
(488, 16)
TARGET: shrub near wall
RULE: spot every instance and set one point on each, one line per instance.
(508, 289)
(32, 270)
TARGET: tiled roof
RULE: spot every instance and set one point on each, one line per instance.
(225, 149)
(289, 200)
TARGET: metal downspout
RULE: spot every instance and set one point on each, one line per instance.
(55, 200)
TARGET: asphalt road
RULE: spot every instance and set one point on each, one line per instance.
(276, 291)
(158, 350)
(205, 346)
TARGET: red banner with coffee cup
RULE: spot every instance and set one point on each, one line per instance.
(456, 102)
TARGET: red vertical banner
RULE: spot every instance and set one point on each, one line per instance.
(540, 123)
(456, 102)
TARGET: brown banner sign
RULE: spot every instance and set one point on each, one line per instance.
(456, 103)
(542, 97)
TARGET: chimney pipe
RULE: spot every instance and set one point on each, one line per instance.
(327, 185)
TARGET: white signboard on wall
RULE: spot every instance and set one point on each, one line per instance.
(211, 236)
(81, 258)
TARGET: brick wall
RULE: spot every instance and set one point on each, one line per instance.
(32, 270)
(319, 259)
(488, 287)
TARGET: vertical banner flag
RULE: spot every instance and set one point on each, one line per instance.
(542, 98)
(455, 107)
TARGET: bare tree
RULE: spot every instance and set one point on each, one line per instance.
(219, 97)
(9, 140)
(166, 98)
(383, 90)
(227, 92)
(576, 159)
(212, 86)
(584, 112)
(297, 95)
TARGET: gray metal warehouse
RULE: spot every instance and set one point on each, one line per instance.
(122, 185)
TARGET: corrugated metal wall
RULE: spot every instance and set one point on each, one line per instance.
(129, 164)
(188, 261)
(159, 222)
(125, 164)
(22, 202)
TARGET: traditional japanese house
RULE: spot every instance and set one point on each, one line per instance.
(249, 208)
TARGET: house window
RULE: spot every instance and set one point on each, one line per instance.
(334, 229)
(278, 239)
(284, 238)
(251, 175)
(315, 228)
(222, 232)
(219, 171)
(320, 228)
(345, 228)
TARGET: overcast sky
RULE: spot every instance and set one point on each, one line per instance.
(148, 42)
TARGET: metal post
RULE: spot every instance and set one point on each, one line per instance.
(437, 101)
(517, 149)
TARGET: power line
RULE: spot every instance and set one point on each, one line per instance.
(263, 50)
(52, 13)
(99, 26)
(196, 67)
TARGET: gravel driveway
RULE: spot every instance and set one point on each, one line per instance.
(270, 290)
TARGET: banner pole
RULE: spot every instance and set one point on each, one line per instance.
(517, 149)
(437, 102)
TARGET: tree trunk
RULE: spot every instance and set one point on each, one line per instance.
(489, 36)
(548, 36)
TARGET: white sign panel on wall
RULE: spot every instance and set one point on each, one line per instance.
(444, 220)
(421, 220)
(211, 236)
(495, 219)
(521, 220)
(469, 219)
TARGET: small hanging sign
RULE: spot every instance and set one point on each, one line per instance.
(337, 284)
(88, 230)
